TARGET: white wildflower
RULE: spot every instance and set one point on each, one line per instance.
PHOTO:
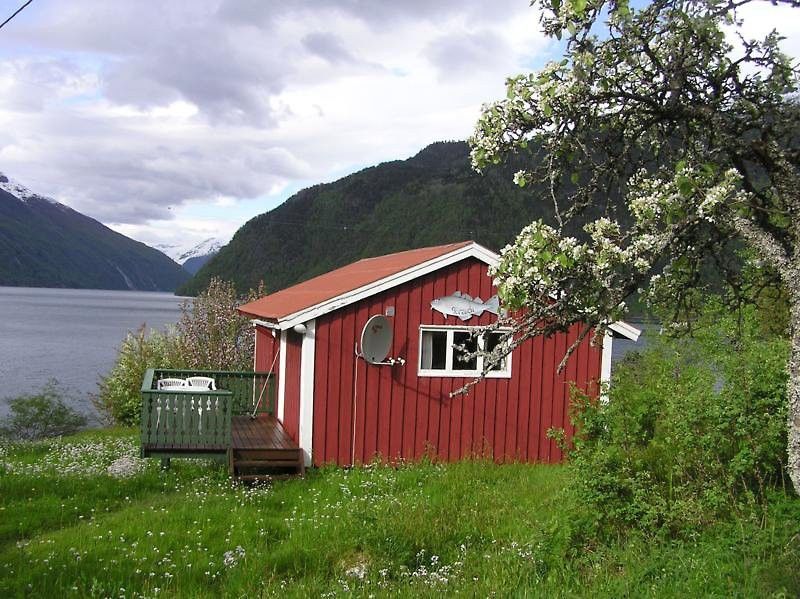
(125, 467)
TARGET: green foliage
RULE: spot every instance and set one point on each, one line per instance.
(209, 335)
(656, 103)
(695, 429)
(120, 391)
(40, 415)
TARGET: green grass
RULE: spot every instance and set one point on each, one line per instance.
(474, 528)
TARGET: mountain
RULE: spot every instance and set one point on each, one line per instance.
(195, 263)
(194, 257)
(432, 198)
(44, 243)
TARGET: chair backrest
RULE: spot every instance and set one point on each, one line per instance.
(205, 382)
(163, 383)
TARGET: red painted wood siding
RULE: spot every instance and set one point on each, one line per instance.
(291, 406)
(266, 348)
(362, 411)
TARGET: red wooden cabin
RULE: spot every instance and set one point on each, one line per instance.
(341, 409)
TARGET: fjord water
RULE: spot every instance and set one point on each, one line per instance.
(71, 335)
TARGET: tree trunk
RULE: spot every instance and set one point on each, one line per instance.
(793, 391)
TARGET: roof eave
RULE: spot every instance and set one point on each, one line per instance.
(623, 329)
(472, 250)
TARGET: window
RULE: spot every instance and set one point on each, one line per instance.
(443, 351)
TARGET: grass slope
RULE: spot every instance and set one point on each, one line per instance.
(69, 529)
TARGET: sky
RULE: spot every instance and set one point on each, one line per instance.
(176, 121)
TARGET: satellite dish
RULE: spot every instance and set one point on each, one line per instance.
(376, 339)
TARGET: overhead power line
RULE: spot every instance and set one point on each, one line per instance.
(19, 10)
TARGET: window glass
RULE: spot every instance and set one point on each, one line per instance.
(470, 345)
(434, 350)
(492, 341)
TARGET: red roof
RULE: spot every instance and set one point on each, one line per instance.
(330, 285)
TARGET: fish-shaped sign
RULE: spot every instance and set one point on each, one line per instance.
(465, 307)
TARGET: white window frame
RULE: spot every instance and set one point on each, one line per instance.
(448, 371)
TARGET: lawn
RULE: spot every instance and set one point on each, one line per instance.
(474, 528)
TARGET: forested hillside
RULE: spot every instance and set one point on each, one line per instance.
(432, 198)
(44, 243)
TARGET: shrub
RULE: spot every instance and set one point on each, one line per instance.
(210, 335)
(120, 391)
(40, 415)
(693, 429)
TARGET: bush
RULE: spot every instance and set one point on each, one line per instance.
(210, 335)
(694, 429)
(40, 415)
(120, 391)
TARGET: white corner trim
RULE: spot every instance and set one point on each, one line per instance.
(625, 330)
(307, 353)
(281, 377)
(472, 250)
(255, 356)
(605, 365)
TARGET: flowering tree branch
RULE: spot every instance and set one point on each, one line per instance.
(698, 135)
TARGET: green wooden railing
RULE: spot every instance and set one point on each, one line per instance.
(186, 421)
(246, 387)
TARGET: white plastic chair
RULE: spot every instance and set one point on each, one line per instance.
(204, 382)
(170, 384)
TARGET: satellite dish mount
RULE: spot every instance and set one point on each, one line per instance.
(376, 342)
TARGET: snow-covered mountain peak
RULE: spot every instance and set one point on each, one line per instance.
(183, 252)
(17, 190)
(22, 193)
(208, 246)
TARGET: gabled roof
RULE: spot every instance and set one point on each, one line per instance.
(343, 286)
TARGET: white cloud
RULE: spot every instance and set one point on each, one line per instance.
(190, 117)
(158, 119)
(136, 116)
(760, 18)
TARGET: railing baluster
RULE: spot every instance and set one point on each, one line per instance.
(215, 429)
(192, 429)
(180, 423)
(185, 423)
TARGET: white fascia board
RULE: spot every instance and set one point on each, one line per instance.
(469, 251)
(625, 330)
(307, 353)
(264, 323)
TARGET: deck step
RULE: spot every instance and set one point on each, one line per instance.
(265, 463)
(267, 454)
(261, 449)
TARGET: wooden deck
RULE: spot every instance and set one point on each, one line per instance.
(261, 447)
(263, 432)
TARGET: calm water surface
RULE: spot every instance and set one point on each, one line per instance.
(71, 335)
